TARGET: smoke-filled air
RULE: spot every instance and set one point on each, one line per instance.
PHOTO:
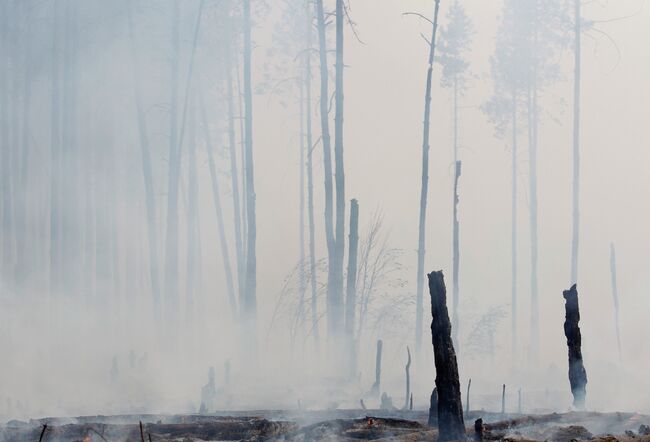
(324, 220)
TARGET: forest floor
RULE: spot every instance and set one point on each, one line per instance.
(329, 425)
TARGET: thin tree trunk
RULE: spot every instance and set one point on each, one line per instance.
(513, 317)
(302, 276)
(419, 301)
(339, 172)
(407, 369)
(193, 258)
(351, 293)
(376, 387)
(147, 174)
(234, 179)
(250, 307)
(171, 240)
(576, 146)
(327, 165)
(216, 195)
(503, 399)
(456, 258)
(612, 266)
(55, 155)
(310, 179)
(469, 386)
(450, 409)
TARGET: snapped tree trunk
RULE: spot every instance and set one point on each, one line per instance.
(450, 409)
(503, 399)
(612, 266)
(424, 189)
(407, 369)
(577, 372)
(376, 387)
(351, 293)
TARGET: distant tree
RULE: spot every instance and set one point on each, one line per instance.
(455, 41)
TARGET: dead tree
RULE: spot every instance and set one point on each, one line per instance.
(408, 378)
(478, 429)
(433, 408)
(519, 402)
(577, 373)
(351, 292)
(612, 266)
(376, 387)
(450, 409)
(503, 399)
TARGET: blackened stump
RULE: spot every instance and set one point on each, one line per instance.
(450, 409)
(577, 373)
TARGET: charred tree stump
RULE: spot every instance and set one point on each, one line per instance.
(450, 409)
(478, 429)
(577, 372)
(433, 408)
(376, 387)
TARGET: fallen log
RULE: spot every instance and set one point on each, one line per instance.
(451, 425)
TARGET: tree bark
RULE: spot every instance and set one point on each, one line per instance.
(450, 409)
(433, 408)
(419, 294)
(577, 372)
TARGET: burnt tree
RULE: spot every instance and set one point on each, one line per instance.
(433, 408)
(450, 409)
(577, 373)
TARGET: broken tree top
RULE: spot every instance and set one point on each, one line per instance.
(577, 372)
(450, 410)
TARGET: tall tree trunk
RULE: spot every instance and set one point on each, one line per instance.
(302, 275)
(576, 145)
(533, 121)
(612, 266)
(351, 292)
(55, 157)
(193, 258)
(456, 258)
(310, 179)
(234, 180)
(339, 174)
(171, 240)
(250, 307)
(513, 316)
(419, 301)
(216, 195)
(450, 409)
(327, 164)
(147, 175)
